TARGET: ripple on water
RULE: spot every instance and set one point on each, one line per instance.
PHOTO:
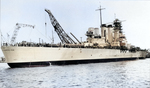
(124, 74)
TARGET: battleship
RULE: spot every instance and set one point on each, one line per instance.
(110, 45)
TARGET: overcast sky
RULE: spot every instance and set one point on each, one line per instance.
(75, 16)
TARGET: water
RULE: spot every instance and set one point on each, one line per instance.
(123, 74)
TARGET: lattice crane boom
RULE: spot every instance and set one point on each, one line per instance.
(15, 33)
(64, 37)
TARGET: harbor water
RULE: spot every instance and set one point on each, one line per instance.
(122, 74)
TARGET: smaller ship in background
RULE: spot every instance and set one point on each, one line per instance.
(148, 53)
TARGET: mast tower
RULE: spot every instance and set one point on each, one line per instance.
(100, 9)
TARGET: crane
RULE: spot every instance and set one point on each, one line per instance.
(64, 37)
(18, 26)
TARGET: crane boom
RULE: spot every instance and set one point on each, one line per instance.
(75, 37)
(59, 30)
(18, 26)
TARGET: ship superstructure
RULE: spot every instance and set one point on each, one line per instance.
(111, 36)
(112, 44)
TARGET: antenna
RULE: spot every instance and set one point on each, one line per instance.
(52, 37)
(115, 15)
(100, 14)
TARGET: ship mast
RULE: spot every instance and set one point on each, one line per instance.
(100, 9)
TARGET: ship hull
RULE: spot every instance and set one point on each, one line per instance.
(23, 55)
(28, 64)
(90, 61)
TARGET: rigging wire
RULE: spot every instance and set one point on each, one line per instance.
(45, 26)
(43, 35)
(3, 38)
(0, 24)
(10, 30)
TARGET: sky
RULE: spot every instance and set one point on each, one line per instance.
(75, 16)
